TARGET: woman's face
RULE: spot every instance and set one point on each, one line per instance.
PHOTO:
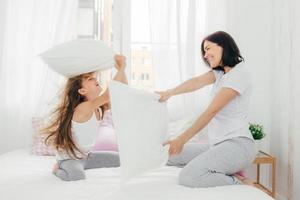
(213, 53)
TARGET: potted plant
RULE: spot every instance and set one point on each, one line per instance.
(258, 133)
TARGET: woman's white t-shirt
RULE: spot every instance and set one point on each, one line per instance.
(232, 120)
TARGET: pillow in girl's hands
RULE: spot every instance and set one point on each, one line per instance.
(79, 56)
(141, 124)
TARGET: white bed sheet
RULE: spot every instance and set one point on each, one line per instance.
(24, 176)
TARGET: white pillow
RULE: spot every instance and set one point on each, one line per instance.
(79, 56)
(141, 124)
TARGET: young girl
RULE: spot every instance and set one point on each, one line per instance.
(74, 128)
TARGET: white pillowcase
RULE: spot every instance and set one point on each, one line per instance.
(79, 56)
(141, 124)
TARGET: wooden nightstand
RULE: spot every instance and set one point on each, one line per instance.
(264, 158)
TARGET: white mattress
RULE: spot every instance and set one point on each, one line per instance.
(26, 176)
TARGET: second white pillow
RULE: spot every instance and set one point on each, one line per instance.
(141, 124)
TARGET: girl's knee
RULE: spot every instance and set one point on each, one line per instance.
(72, 175)
(76, 175)
(70, 170)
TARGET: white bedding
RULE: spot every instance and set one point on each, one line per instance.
(28, 177)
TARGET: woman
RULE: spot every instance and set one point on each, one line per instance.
(231, 145)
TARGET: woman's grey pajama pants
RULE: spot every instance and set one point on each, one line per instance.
(205, 166)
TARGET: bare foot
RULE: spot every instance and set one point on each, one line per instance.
(55, 167)
(244, 180)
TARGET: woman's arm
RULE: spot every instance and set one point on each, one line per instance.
(224, 96)
(189, 85)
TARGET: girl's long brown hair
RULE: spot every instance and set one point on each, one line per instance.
(60, 130)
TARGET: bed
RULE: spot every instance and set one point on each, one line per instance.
(27, 176)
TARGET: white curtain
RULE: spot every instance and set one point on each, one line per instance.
(28, 28)
(177, 28)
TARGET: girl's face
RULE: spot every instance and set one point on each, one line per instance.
(90, 86)
(213, 54)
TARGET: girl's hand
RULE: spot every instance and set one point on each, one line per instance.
(176, 146)
(120, 62)
(165, 95)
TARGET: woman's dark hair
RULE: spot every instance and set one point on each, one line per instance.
(231, 54)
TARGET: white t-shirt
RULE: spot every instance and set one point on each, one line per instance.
(232, 120)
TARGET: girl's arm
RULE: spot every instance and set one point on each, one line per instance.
(120, 75)
(189, 85)
(86, 108)
(120, 65)
(224, 96)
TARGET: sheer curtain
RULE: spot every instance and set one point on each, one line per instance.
(177, 28)
(28, 28)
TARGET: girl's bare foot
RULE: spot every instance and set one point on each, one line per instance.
(55, 167)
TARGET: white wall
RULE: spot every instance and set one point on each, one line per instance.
(268, 36)
(249, 23)
(286, 110)
(296, 72)
(280, 89)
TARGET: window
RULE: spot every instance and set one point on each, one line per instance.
(141, 53)
(95, 22)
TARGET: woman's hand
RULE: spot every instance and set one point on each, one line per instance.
(165, 95)
(176, 146)
(120, 62)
